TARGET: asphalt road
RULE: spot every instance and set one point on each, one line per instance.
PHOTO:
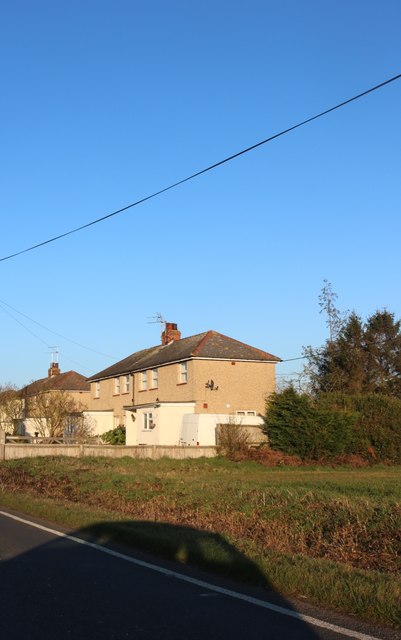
(53, 587)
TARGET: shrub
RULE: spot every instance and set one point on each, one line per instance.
(377, 424)
(296, 425)
(232, 440)
(114, 436)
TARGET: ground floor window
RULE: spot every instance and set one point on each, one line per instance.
(148, 421)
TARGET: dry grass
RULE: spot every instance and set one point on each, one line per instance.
(304, 529)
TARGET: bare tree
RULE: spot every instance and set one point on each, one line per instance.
(56, 414)
(11, 406)
(327, 300)
(232, 437)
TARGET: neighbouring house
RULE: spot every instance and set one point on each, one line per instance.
(179, 391)
(10, 409)
(57, 403)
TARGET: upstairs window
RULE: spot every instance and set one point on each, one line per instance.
(97, 389)
(155, 378)
(183, 372)
(143, 380)
(117, 386)
(126, 384)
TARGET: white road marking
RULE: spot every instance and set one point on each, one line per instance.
(199, 583)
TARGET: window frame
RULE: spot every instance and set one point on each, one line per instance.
(117, 386)
(143, 380)
(183, 373)
(127, 383)
(155, 378)
(246, 412)
(148, 421)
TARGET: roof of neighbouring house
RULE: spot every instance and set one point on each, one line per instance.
(68, 381)
(210, 345)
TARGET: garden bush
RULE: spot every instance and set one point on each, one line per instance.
(296, 425)
(376, 424)
(114, 436)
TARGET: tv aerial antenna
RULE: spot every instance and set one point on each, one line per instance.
(157, 319)
(55, 352)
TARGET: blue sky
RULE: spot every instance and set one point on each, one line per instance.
(104, 103)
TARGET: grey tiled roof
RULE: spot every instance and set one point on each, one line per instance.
(209, 344)
(68, 381)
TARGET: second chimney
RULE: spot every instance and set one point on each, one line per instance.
(170, 333)
(53, 370)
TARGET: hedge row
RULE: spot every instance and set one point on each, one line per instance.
(333, 425)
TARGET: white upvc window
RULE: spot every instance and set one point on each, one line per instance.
(155, 378)
(117, 386)
(126, 384)
(144, 380)
(183, 372)
(245, 413)
(97, 389)
(148, 421)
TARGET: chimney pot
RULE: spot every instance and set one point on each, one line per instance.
(171, 333)
(53, 370)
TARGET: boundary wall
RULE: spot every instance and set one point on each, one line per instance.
(11, 451)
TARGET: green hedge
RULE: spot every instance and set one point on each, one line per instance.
(377, 423)
(296, 425)
(333, 425)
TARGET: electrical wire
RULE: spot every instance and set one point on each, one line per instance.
(22, 324)
(2, 302)
(365, 343)
(205, 170)
(82, 366)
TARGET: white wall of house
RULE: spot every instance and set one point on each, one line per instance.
(6, 425)
(158, 424)
(99, 421)
(30, 426)
(177, 424)
(200, 429)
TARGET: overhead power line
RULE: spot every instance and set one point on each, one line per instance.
(3, 306)
(364, 343)
(35, 335)
(205, 170)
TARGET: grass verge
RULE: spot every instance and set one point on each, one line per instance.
(330, 535)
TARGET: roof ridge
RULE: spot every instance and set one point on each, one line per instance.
(217, 333)
(206, 336)
(210, 344)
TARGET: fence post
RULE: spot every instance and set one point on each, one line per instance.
(2, 445)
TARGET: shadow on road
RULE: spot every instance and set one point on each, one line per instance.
(182, 544)
(54, 588)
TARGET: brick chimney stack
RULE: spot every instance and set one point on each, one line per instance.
(54, 369)
(170, 333)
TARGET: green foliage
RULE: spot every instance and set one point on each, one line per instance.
(114, 436)
(335, 424)
(297, 425)
(361, 358)
(377, 423)
(383, 360)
